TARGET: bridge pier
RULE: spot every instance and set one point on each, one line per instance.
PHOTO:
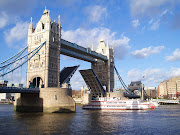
(28, 102)
(51, 100)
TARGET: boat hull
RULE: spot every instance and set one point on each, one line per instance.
(119, 105)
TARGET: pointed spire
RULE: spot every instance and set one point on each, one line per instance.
(45, 11)
(49, 18)
(92, 48)
(31, 25)
(107, 45)
(59, 21)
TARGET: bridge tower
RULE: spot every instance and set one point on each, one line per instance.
(43, 71)
(43, 68)
(105, 70)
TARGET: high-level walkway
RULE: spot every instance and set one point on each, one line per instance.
(79, 52)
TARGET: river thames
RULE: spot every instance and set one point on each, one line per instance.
(164, 120)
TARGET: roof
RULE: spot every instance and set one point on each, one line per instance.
(136, 83)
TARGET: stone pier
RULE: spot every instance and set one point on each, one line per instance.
(50, 100)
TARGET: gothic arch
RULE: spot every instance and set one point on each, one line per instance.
(36, 81)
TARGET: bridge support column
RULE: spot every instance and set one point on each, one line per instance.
(57, 100)
(51, 100)
(28, 102)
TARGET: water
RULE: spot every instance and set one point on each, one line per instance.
(163, 120)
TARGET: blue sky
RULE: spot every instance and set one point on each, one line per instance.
(144, 33)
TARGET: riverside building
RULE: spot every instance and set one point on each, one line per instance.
(169, 88)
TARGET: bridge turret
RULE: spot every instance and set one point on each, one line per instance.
(30, 30)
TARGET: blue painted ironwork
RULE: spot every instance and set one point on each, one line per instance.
(82, 50)
(17, 59)
(123, 84)
(16, 55)
(77, 55)
(35, 51)
(99, 82)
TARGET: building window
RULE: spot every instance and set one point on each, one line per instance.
(55, 96)
(42, 26)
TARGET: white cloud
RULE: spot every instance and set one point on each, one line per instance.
(174, 72)
(135, 23)
(86, 38)
(155, 25)
(150, 22)
(149, 7)
(96, 13)
(155, 9)
(3, 19)
(145, 52)
(149, 74)
(17, 33)
(164, 12)
(152, 76)
(175, 56)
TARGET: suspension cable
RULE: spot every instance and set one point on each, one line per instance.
(22, 51)
(26, 60)
(21, 57)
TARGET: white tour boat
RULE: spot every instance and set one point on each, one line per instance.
(106, 103)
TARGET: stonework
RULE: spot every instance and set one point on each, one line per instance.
(45, 64)
(57, 100)
(50, 100)
(105, 70)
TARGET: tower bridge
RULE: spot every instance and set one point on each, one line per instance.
(43, 66)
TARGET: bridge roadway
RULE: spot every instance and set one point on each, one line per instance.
(79, 52)
(18, 90)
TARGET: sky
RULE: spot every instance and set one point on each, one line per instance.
(144, 34)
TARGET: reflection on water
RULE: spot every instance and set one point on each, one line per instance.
(163, 120)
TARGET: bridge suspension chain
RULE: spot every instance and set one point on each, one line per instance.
(15, 56)
(122, 82)
(18, 59)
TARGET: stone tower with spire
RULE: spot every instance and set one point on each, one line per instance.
(43, 71)
(43, 68)
(105, 70)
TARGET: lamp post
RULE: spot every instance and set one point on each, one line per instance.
(142, 91)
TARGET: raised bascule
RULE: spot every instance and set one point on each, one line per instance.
(43, 92)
